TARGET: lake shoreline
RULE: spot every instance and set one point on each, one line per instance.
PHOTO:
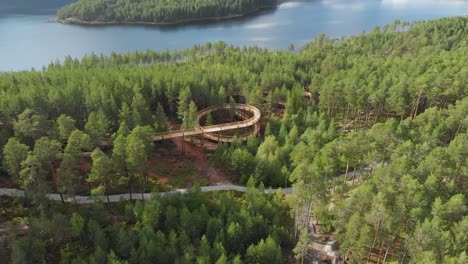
(79, 22)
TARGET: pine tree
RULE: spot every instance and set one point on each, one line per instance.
(160, 124)
(185, 97)
(302, 245)
(190, 116)
(14, 153)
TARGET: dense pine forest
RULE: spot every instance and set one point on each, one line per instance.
(388, 111)
(190, 228)
(157, 11)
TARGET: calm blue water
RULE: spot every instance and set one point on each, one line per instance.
(32, 39)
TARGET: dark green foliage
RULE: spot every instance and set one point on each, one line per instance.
(146, 235)
(160, 11)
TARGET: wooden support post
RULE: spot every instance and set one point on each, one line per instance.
(201, 140)
(183, 143)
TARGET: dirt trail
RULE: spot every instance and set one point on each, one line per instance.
(199, 158)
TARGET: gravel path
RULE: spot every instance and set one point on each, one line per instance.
(146, 196)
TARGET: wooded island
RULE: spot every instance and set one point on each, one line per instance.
(158, 12)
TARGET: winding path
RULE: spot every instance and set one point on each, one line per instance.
(145, 196)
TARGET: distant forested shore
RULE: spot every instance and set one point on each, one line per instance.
(151, 12)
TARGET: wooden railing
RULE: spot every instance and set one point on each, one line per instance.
(206, 130)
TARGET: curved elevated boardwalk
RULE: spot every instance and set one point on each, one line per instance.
(207, 131)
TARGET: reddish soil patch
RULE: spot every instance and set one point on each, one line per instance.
(152, 163)
(195, 154)
(199, 158)
(7, 183)
(161, 179)
(85, 167)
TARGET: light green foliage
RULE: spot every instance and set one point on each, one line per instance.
(97, 126)
(209, 120)
(221, 96)
(14, 153)
(65, 126)
(69, 175)
(136, 156)
(33, 178)
(77, 142)
(302, 245)
(140, 111)
(190, 116)
(119, 159)
(137, 150)
(77, 224)
(30, 125)
(102, 172)
(47, 150)
(267, 252)
(295, 100)
(183, 102)
(161, 122)
(413, 196)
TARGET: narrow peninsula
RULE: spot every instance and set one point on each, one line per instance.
(157, 12)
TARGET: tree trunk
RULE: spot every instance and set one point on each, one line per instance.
(309, 209)
(417, 104)
(457, 175)
(386, 254)
(346, 256)
(358, 118)
(130, 190)
(347, 116)
(380, 251)
(296, 219)
(378, 114)
(142, 190)
(370, 249)
(61, 198)
(367, 117)
(347, 168)
(403, 257)
(25, 198)
(354, 175)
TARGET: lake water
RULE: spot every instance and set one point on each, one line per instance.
(30, 37)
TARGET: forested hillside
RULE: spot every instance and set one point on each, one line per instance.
(389, 109)
(191, 228)
(157, 11)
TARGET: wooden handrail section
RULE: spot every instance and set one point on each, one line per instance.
(207, 130)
